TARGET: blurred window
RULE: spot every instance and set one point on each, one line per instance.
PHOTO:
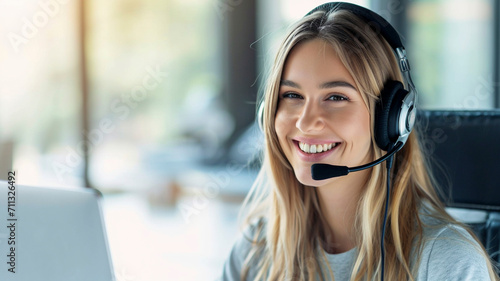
(153, 76)
(153, 73)
(450, 45)
(40, 88)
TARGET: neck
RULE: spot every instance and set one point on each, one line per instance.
(339, 202)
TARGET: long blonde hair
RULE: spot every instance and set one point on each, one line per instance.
(288, 245)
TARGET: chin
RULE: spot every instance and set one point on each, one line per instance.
(304, 176)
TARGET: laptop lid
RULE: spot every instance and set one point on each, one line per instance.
(54, 234)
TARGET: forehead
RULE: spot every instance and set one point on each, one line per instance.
(314, 60)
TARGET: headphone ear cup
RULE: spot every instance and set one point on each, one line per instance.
(387, 114)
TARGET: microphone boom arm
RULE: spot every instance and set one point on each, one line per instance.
(394, 149)
(321, 171)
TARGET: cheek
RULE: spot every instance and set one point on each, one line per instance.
(365, 120)
(354, 127)
(364, 128)
(363, 131)
(282, 123)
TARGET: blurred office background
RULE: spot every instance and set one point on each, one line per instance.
(153, 103)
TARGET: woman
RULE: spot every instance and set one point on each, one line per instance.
(319, 107)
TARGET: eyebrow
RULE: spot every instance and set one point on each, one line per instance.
(326, 85)
(333, 84)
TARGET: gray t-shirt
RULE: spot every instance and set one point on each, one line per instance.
(449, 254)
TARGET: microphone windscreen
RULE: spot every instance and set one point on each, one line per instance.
(325, 171)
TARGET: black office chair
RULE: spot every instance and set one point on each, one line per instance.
(464, 147)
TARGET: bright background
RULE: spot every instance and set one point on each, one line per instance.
(166, 120)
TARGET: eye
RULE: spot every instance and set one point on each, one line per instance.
(291, 95)
(338, 97)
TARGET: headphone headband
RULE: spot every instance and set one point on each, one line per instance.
(386, 29)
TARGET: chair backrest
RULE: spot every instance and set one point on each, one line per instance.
(464, 148)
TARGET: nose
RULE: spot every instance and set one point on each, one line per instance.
(310, 119)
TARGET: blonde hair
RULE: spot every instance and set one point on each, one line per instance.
(288, 245)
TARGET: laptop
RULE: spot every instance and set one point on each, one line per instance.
(55, 234)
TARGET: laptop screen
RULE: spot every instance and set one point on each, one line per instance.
(53, 234)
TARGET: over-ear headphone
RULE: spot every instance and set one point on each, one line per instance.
(395, 111)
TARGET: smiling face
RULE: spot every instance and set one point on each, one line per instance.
(321, 116)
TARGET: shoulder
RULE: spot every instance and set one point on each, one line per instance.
(246, 243)
(449, 252)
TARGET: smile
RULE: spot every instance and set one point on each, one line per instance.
(316, 148)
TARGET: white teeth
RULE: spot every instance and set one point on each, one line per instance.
(316, 148)
(312, 149)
